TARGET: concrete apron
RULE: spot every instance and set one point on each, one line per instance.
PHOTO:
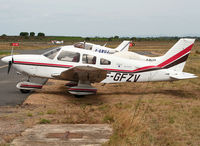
(64, 134)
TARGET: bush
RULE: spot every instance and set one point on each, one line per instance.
(41, 34)
(24, 34)
(32, 34)
(87, 39)
(116, 37)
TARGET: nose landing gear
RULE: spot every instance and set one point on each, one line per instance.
(27, 87)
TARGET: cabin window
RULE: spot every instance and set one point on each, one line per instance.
(51, 54)
(89, 59)
(83, 45)
(69, 56)
(104, 61)
(79, 45)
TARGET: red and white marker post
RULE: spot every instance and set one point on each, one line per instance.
(13, 44)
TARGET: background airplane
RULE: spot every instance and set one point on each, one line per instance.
(124, 46)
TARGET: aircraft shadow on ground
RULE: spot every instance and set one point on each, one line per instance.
(89, 99)
(176, 93)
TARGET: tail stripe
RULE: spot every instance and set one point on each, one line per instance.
(175, 57)
(178, 61)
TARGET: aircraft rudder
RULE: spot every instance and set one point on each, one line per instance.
(176, 57)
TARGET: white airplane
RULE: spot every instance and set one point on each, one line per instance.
(103, 49)
(82, 67)
(57, 42)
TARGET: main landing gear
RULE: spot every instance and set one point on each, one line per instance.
(81, 88)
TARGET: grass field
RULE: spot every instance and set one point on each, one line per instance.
(158, 113)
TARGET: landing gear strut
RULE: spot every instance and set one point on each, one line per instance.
(83, 88)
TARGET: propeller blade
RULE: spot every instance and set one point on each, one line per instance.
(9, 66)
(12, 59)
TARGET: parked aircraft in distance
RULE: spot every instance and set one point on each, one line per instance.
(123, 47)
(57, 42)
(82, 67)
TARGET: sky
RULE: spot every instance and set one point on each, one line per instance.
(103, 18)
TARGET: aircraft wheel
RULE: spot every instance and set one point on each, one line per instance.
(79, 96)
(25, 91)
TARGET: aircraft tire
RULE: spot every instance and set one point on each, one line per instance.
(24, 91)
(79, 96)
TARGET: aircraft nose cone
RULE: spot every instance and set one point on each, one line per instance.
(6, 59)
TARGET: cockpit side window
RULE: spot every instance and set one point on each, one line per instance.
(79, 45)
(51, 54)
(82, 45)
(104, 61)
(69, 56)
(89, 59)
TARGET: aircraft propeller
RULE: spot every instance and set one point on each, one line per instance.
(10, 64)
(12, 61)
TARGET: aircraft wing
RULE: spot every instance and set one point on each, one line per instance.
(83, 73)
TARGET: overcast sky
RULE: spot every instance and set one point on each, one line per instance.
(101, 17)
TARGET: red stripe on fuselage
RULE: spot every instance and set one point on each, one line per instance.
(45, 64)
(136, 70)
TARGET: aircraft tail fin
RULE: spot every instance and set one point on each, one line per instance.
(176, 57)
(123, 46)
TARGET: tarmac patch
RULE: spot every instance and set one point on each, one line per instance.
(65, 134)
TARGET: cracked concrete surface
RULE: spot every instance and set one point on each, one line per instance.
(65, 134)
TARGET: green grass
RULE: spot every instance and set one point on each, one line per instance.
(51, 112)
(5, 53)
(108, 119)
(29, 114)
(44, 121)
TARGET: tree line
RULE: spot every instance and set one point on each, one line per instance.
(31, 34)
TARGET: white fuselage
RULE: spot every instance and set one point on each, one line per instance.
(120, 69)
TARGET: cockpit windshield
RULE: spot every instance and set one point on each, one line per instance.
(83, 45)
(51, 54)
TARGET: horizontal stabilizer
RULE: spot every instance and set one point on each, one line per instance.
(183, 75)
